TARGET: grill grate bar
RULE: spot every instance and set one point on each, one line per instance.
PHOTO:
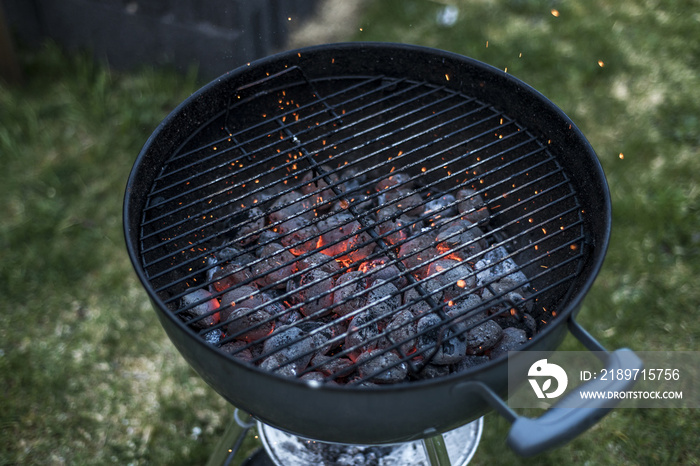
(263, 124)
(379, 241)
(268, 146)
(518, 159)
(238, 199)
(435, 306)
(290, 163)
(430, 185)
(367, 80)
(407, 358)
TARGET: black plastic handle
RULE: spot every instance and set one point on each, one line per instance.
(558, 425)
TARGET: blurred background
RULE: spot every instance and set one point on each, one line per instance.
(88, 376)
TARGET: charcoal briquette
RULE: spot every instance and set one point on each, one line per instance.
(512, 339)
(348, 293)
(248, 324)
(315, 293)
(483, 337)
(202, 305)
(381, 366)
(290, 345)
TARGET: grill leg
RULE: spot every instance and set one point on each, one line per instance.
(231, 441)
(436, 451)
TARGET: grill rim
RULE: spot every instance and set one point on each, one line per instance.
(192, 112)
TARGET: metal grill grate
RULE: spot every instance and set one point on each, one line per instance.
(234, 187)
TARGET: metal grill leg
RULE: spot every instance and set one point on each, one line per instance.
(436, 451)
(231, 441)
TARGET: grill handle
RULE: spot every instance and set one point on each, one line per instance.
(558, 425)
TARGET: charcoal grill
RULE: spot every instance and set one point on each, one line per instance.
(270, 151)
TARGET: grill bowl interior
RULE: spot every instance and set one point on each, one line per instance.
(510, 124)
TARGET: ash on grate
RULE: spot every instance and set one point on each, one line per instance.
(290, 450)
(302, 288)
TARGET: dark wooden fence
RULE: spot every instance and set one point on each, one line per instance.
(214, 35)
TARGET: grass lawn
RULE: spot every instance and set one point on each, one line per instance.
(87, 376)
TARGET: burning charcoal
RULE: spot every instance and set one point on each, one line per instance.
(520, 302)
(315, 292)
(318, 260)
(407, 202)
(401, 180)
(511, 284)
(461, 239)
(468, 362)
(276, 266)
(496, 265)
(339, 327)
(321, 197)
(384, 299)
(450, 351)
(362, 334)
(289, 317)
(483, 337)
(256, 350)
(440, 210)
(512, 339)
(380, 269)
(522, 321)
(237, 310)
(456, 276)
(510, 300)
(466, 308)
(238, 350)
(432, 371)
(316, 378)
(417, 251)
(274, 306)
(472, 206)
(512, 311)
(334, 227)
(213, 337)
(229, 275)
(229, 253)
(287, 206)
(361, 202)
(392, 230)
(412, 226)
(299, 235)
(202, 305)
(268, 236)
(397, 187)
(380, 366)
(417, 305)
(342, 237)
(348, 294)
(335, 366)
(277, 364)
(290, 345)
(320, 333)
(247, 324)
(247, 296)
(250, 227)
(401, 329)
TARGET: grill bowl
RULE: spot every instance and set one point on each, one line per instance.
(393, 413)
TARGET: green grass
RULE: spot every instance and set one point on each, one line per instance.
(87, 375)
